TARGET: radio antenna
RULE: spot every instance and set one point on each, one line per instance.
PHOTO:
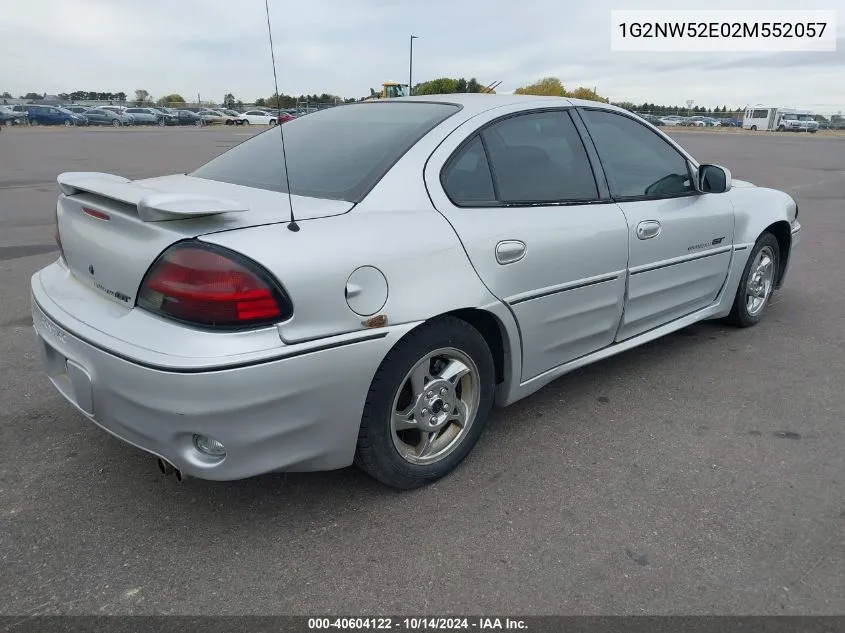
(292, 225)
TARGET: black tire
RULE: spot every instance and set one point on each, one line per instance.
(753, 128)
(376, 453)
(739, 315)
(272, 122)
(781, 128)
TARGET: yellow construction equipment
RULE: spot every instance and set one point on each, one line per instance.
(393, 90)
(389, 90)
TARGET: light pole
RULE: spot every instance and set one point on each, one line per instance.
(411, 66)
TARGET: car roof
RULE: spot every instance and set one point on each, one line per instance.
(476, 103)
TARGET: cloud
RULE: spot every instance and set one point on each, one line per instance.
(808, 59)
(345, 47)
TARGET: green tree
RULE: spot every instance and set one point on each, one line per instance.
(141, 96)
(588, 94)
(447, 85)
(260, 102)
(32, 96)
(229, 101)
(546, 87)
(174, 98)
(6, 95)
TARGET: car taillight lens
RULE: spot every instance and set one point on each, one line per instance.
(211, 286)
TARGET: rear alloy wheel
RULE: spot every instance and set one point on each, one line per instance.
(198, 123)
(272, 122)
(68, 122)
(162, 122)
(245, 122)
(427, 405)
(757, 283)
(116, 123)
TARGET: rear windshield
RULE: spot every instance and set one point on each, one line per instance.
(338, 153)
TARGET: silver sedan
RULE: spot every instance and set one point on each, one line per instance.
(370, 295)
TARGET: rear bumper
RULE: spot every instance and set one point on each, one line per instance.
(298, 412)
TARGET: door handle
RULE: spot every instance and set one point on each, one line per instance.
(648, 229)
(510, 251)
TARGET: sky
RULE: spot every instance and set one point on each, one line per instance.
(346, 47)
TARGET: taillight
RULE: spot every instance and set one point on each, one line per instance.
(210, 286)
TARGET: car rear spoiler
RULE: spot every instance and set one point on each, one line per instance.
(152, 205)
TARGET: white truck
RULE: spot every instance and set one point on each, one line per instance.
(761, 117)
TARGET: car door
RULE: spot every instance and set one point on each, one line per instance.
(538, 228)
(680, 239)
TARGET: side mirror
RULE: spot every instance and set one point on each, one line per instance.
(714, 179)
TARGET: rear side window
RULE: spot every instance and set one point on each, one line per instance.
(467, 179)
(338, 153)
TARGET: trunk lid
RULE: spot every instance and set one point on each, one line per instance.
(112, 229)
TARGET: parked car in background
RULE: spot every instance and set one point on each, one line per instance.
(209, 338)
(52, 115)
(258, 117)
(166, 116)
(656, 121)
(77, 109)
(120, 110)
(212, 117)
(104, 116)
(672, 119)
(228, 119)
(9, 116)
(146, 116)
(186, 117)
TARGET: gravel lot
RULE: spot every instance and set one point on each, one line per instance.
(703, 473)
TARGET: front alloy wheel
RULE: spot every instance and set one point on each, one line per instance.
(427, 405)
(757, 283)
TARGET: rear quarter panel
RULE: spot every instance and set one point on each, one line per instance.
(426, 270)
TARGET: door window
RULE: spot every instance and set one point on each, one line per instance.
(637, 161)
